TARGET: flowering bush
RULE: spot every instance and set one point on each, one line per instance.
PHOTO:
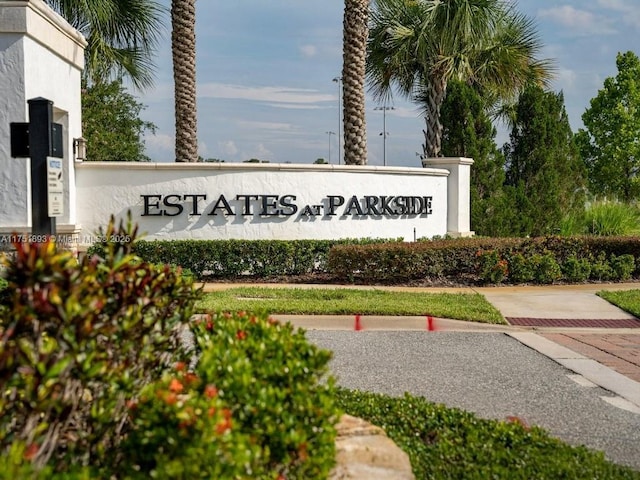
(77, 339)
(493, 268)
(254, 407)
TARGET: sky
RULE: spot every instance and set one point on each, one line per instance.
(265, 73)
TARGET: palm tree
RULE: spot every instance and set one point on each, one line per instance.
(183, 49)
(417, 46)
(121, 35)
(355, 35)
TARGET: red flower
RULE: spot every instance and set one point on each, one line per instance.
(175, 386)
(223, 426)
(171, 398)
(31, 451)
(180, 366)
(241, 335)
(210, 391)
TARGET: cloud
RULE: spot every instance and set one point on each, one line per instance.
(630, 12)
(228, 147)
(264, 125)
(264, 94)
(566, 78)
(308, 50)
(295, 106)
(259, 151)
(160, 141)
(577, 21)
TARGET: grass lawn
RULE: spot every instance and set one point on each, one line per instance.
(448, 443)
(628, 300)
(460, 306)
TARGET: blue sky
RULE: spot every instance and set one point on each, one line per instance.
(265, 70)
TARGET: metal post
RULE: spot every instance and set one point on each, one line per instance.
(338, 80)
(330, 133)
(40, 119)
(384, 132)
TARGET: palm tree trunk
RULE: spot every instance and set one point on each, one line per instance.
(355, 35)
(183, 49)
(437, 90)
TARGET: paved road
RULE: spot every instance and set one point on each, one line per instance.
(490, 374)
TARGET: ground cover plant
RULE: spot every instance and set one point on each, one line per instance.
(342, 301)
(448, 443)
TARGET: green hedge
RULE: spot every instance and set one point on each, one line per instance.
(489, 261)
(216, 259)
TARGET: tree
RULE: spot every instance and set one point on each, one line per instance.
(121, 35)
(610, 142)
(320, 161)
(355, 35)
(111, 123)
(418, 46)
(183, 50)
(544, 169)
(468, 132)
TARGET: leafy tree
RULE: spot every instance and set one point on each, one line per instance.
(121, 35)
(469, 132)
(320, 161)
(111, 123)
(610, 142)
(544, 169)
(183, 51)
(418, 46)
(355, 35)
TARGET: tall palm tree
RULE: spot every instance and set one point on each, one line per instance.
(183, 49)
(417, 46)
(355, 35)
(121, 35)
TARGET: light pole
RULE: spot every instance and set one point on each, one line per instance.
(338, 80)
(330, 133)
(384, 132)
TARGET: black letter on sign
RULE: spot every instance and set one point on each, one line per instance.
(247, 203)
(427, 205)
(286, 203)
(223, 204)
(334, 202)
(194, 210)
(371, 203)
(353, 203)
(269, 206)
(147, 205)
(170, 204)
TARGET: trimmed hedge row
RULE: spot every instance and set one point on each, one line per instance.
(468, 260)
(211, 259)
(486, 260)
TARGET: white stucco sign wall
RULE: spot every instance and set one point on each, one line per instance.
(264, 201)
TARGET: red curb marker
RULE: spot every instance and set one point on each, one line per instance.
(431, 327)
(358, 324)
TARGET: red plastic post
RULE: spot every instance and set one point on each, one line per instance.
(358, 324)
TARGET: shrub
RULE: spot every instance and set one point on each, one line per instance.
(78, 339)
(623, 266)
(448, 443)
(576, 269)
(546, 268)
(275, 392)
(493, 268)
(521, 269)
(601, 269)
(254, 407)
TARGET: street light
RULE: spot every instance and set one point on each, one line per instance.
(338, 80)
(384, 133)
(330, 133)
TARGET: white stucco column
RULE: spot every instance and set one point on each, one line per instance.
(458, 193)
(41, 55)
